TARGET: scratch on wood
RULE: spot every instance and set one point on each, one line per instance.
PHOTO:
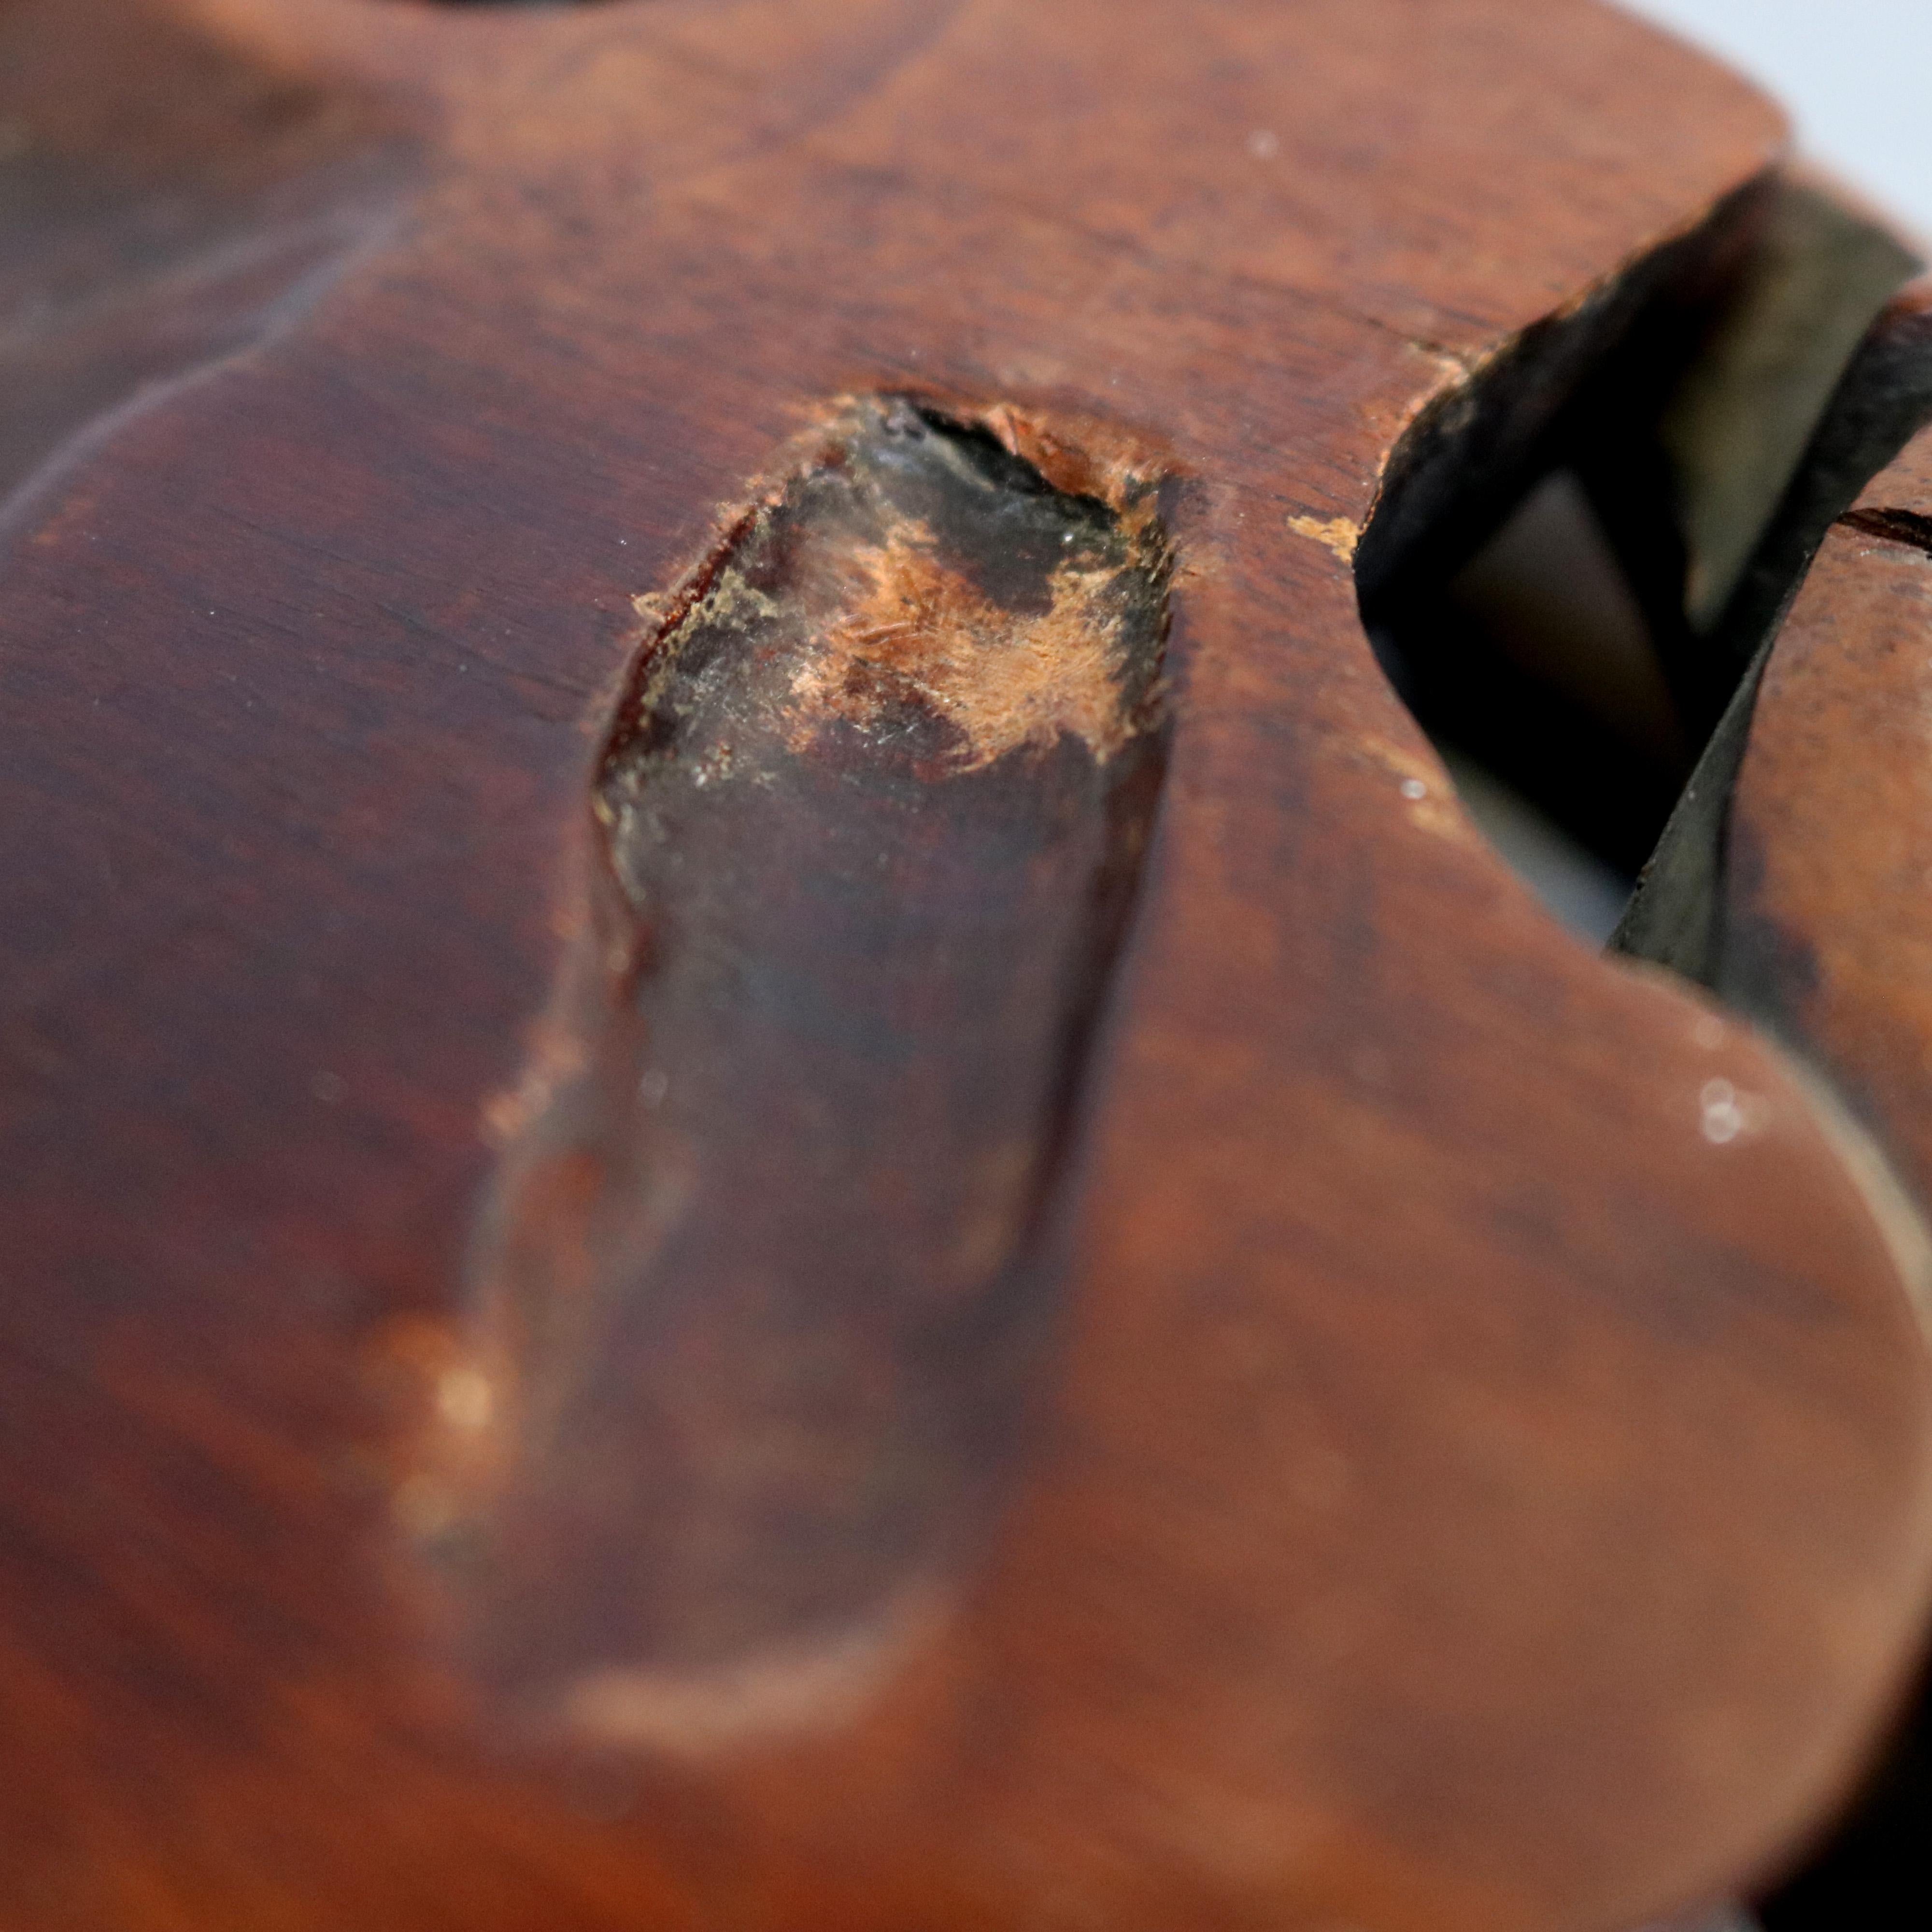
(1338, 534)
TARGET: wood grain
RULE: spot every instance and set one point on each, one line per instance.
(1449, 1484)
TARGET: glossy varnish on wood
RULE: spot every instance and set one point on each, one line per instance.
(1332, 1406)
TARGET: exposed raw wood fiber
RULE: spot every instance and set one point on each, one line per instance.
(1425, 1476)
(764, 1282)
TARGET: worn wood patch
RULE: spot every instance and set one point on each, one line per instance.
(767, 1269)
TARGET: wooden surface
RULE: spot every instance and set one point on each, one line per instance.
(1405, 1424)
(1822, 932)
(1828, 908)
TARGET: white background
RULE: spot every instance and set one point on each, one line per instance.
(1855, 75)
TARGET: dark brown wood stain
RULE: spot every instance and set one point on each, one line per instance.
(1455, 1492)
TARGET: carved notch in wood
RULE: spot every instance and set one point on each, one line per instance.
(766, 1268)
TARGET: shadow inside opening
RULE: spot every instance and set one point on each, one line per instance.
(1607, 531)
